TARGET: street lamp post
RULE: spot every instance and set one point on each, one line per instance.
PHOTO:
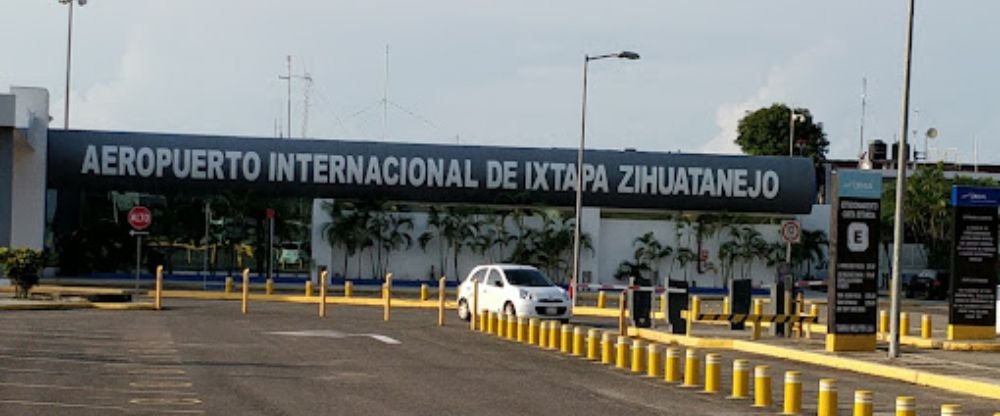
(579, 165)
(69, 55)
(897, 224)
(795, 117)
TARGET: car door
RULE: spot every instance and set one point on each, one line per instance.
(477, 275)
(491, 293)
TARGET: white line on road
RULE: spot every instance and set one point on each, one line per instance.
(324, 333)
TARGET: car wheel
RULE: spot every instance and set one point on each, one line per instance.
(463, 310)
(508, 309)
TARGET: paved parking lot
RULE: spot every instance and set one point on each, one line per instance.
(203, 357)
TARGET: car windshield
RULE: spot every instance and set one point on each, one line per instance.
(527, 277)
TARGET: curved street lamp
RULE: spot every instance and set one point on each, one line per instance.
(579, 164)
(69, 52)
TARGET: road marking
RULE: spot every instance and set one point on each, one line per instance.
(63, 405)
(161, 384)
(158, 371)
(165, 401)
(89, 388)
(324, 333)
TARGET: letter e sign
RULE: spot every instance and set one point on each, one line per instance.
(857, 237)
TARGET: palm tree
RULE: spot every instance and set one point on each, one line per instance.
(393, 234)
(650, 252)
(810, 249)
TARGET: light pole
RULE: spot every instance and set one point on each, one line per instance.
(579, 165)
(69, 55)
(897, 224)
(795, 117)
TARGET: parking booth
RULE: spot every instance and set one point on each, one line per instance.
(641, 302)
(740, 298)
(677, 301)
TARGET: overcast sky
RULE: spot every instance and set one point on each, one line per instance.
(509, 72)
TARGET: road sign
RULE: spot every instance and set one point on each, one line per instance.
(791, 231)
(140, 218)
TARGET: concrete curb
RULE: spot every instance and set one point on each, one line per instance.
(64, 306)
(922, 378)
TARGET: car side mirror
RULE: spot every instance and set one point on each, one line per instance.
(499, 283)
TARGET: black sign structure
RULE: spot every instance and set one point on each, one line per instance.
(853, 296)
(162, 163)
(974, 257)
(677, 302)
(740, 297)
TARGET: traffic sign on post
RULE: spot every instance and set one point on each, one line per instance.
(140, 218)
(791, 231)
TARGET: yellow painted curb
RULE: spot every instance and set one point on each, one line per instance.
(122, 306)
(971, 346)
(45, 306)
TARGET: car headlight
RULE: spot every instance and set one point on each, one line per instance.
(565, 295)
(524, 294)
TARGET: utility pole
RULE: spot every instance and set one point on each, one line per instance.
(288, 78)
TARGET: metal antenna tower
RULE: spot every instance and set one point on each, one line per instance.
(306, 92)
(288, 78)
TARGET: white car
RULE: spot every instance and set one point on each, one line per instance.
(516, 290)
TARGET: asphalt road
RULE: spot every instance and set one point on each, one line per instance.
(204, 357)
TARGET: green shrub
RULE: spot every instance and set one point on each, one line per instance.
(22, 266)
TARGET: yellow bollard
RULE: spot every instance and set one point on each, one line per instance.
(228, 286)
(602, 300)
(533, 331)
(484, 321)
(522, 329)
(951, 410)
(761, 386)
(269, 286)
(906, 406)
(758, 309)
(693, 310)
(606, 347)
(827, 398)
(322, 293)
(309, 288)
(863, 403)
(725, 305)
(348, 288)
(713, 373)
(925, 326)
(246, 291)
(566, 339)
(621, 314)
(491, 323)
(637, 356)
(672, 373)
(423, 291)
(593, 344)
(691, 368)
(813, 311)
(883, 321)
(663, 305)
(543, 334)
(621, 360)
(387, 312)
(578, 341)
(904, 324)
(793, 393)
(501, 325)
(158, 296)
(653, 358)
(441, 298)
(741, 379)
(554, 328)
(511, 328)
(474, 311)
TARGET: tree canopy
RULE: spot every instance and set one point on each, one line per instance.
(765, 132)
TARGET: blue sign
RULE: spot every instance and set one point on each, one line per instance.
(970, 196)
(859, 184)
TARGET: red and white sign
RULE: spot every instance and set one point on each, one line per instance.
(791, 231)
(140, 218)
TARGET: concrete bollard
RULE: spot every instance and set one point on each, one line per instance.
(322, 293)
(606, 347)
(441, 301)
(951, 410)
(761, 386)
(925, 326)
(158, 295)
(741, 379)
(387, 294)
(511, 328)
(691, 368)
(501, 325)
(245, 308)
(228, 285)
(554, 328)
(653, 359)
(827, 403)
(566, 339)
(863, 403)
(621, 358)
(593, 344)
(638, 358)
(693, 310)
(906, 406)
(423, 291)
(621, 314)
(883, 321)
(348, 288)
(269, 286)
(578, 341)
(521, 329)
(904, 324)
(713, 373)
(602, 300)
(672, 372)
(533, 331)
(793, 393)
(309, 288)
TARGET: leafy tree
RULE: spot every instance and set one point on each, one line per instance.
(22, 266)
(764, 132)
(650, 252)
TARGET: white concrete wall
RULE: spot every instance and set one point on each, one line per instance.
(30, 155)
